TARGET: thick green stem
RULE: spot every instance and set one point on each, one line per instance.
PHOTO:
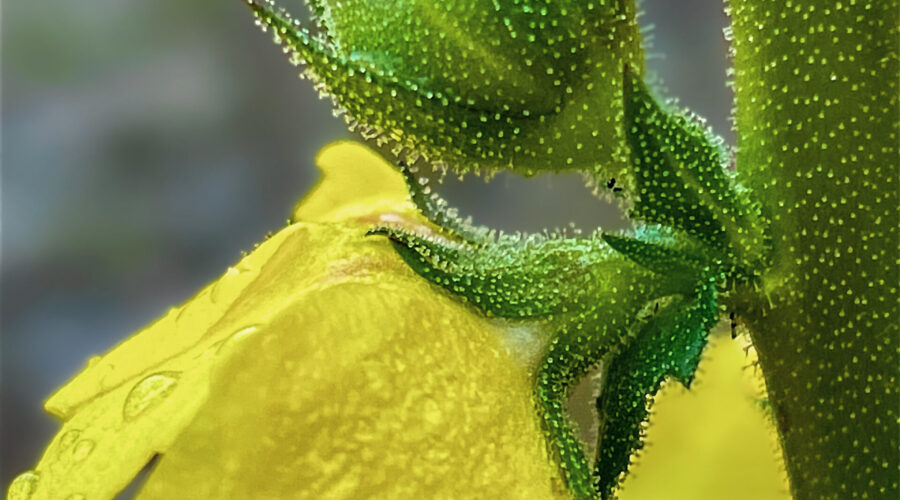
(817, 116)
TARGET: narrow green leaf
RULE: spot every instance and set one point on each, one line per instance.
(678, 267)
(681, 180)
(669, 345)
(515, 277)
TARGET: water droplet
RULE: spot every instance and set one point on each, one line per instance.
(23, 486)
(82, 449)
(244, 332)
(68, 439)
(153, 389)
(237, 337)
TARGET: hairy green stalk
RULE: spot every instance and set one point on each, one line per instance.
(817, 120)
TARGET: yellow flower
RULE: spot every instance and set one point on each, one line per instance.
(319, 366)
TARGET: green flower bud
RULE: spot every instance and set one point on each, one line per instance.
(526, 85)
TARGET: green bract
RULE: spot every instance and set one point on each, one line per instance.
(526, 85)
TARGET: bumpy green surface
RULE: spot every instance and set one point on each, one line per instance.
(669, 345)
(817, 117)
(801, 241)
(592, 291)
(527, 85)
(681, 180)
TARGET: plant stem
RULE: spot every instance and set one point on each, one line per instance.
(817, 116)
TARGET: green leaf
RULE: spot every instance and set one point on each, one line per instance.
(515, 277)
(668, 345)
(681, 179)
(678, 268)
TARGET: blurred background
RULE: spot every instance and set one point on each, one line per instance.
(146, 144)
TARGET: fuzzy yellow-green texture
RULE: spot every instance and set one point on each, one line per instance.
(817, 121)
(321, 366)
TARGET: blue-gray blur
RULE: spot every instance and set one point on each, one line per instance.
(146, 144)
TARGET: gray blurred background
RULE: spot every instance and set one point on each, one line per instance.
(145, 144)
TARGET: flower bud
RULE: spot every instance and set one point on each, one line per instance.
(526, 85)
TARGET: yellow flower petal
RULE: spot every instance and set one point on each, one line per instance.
(368, 388)
(336, 323)
(355, 183)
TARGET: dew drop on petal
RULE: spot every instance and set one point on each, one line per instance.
(237, 337)
(148, 392)
(82, 449)
(243, 332)
(23, 487)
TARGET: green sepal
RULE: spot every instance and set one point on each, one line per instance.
(585, 292)
(512, 277)
(470, 50)
(678, 268)
(668, 345)
(438, 211)
(681, 178)
(570, 118)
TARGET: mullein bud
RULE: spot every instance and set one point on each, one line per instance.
(525, 85)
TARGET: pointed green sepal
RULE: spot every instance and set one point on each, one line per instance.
(679, 268)
(682, 181)
(668, 345)
(438, 211)
(514, 277)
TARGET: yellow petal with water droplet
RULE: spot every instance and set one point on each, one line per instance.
(318, 366)
(126, 405)
(370, 386)
(152, 390)
(23, 486)
(134, 401)
(356, 184)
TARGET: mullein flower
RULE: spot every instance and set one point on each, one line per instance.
(480, 85)
(320, 366)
